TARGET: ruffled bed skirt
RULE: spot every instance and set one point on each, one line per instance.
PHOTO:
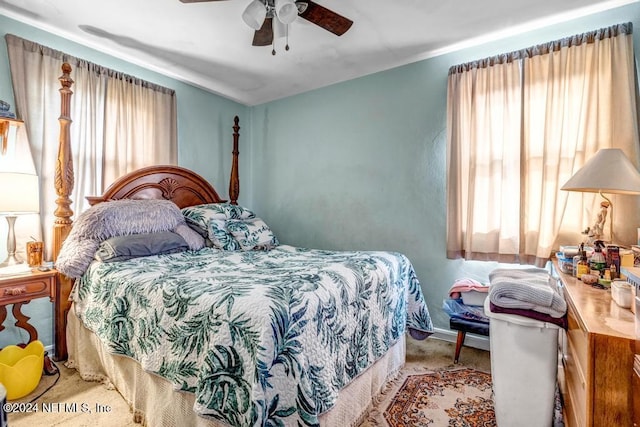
(154, 402)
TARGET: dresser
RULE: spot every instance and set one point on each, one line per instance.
(597, 357)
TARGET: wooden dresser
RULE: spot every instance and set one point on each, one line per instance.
(597, 354)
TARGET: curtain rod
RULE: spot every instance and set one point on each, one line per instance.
(76, 62)
(544, 48)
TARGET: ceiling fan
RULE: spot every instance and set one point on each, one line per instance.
(264, 15)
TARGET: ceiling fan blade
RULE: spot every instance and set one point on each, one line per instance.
(264, 36)
(325, 18)
(197, 1)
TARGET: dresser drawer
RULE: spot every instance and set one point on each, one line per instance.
(575, 362)
(18, 291)
(577, 342)
(575, 384)
(571, 416)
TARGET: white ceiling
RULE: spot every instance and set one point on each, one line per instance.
(208, 44)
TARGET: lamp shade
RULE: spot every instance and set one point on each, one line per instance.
(286, 11)
(19, 193)
(608, 171)
(255, 14)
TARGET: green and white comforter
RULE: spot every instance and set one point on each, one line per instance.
(261, 338)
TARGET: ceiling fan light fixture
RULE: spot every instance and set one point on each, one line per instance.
(254, 14)
(286, 11)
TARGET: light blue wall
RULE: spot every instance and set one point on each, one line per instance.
(204, 138)
(361, 164)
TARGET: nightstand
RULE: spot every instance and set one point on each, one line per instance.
(21, 289)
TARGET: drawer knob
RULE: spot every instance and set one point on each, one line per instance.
(15, 291)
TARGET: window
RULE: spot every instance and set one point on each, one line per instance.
(519, 125)
(121, 123)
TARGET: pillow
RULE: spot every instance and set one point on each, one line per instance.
(220, 237)
(109, 219)
(127, 216)
(200, 215)
(209, 220)
(252, 233)
(122, 248)
(193, 239)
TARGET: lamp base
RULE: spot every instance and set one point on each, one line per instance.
(11, 259)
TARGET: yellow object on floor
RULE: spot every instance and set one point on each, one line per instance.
(21, 368)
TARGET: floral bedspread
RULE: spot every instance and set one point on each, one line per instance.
(261, 338)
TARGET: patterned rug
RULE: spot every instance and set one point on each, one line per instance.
(448, 397)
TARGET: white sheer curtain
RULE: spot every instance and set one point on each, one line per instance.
(120, 123)
(577, 95)
(138, 127)
(483, 171)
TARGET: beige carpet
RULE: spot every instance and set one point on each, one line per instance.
(73, 402)
(76, 403)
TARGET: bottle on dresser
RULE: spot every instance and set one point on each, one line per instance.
(576, 259)
(613, 261)
(583, 265)
(598, 263)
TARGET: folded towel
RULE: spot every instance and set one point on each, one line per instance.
(532, 314)
(525, 288)
(466, 285)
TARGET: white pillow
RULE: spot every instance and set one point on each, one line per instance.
(252, 233)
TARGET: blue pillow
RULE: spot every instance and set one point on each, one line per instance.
(122, 248)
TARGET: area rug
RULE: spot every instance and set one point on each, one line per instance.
(457, 397)
(445, 396)
(448, 397)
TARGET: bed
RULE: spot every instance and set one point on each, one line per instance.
(242, 330)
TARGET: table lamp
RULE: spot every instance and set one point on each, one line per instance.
(19, 195)
(608, 171)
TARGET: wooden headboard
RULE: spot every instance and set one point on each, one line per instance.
(182, 186)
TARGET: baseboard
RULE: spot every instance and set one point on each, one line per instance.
(471, 340)
(49, 350)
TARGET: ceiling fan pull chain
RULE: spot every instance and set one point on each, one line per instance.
(286, 47)
(274, 33)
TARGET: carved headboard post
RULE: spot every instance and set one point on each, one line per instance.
(64, 166)
(63, 222)
(234, 181)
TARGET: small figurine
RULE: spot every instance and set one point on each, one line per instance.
(596, 232)
(4, 110)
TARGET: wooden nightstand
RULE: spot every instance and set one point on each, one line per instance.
(21, 289)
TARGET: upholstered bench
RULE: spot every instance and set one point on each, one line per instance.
(463, 326)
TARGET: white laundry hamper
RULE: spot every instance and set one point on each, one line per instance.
(524, 368)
